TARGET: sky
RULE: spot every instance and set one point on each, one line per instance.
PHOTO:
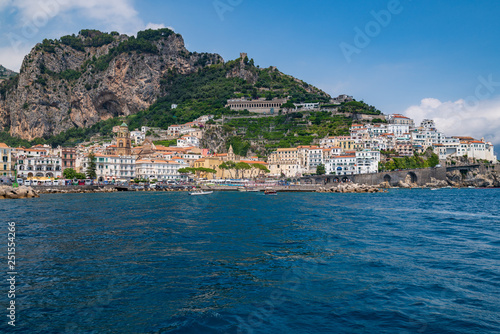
(425, 59)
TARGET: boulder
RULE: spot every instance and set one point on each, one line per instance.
(402, 184)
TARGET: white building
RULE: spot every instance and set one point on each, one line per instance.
(161, 170)
(188, 141)
(29, 152)
(138, 137)
(398, 129)
(39, 167)
(479, 149)
(367, 161)
(341, 165)
(314, 158)
(112, 167)
(204, 119)
(400, 119)
(306, 106)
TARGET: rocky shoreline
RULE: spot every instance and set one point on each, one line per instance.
(7, 192)
(352, 188)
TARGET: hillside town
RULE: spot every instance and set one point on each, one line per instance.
(132, 155)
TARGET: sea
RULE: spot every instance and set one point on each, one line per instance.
(405, 261)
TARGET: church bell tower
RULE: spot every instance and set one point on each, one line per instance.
(123, 142)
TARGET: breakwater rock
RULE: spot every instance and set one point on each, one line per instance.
(81, 190)
(351, 188)
(7, 192)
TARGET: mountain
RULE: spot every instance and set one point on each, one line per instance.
(77, 81)
(82, 81)
(6, 73)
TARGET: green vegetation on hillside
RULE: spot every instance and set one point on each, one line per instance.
(207, 91)
(143, 43)
(359, 107)
(285, 130)
(428, 159)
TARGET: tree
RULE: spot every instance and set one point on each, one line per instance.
(80, 176)
(206, 170)
(433, 160)
(288, 106)
(320, 169)
(241, 166)
(187, 170)
(91, 169)
(260, 168)
(229, 166)
(69, 173)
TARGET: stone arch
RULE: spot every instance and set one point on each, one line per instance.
(39, 174)
(387, 178)
(413, 177)
(345, 179)
(30, 174)
(336, 180)
(101, 179)
(49, 175)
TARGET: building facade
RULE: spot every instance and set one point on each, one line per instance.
(68, 157)
(39, 167)
(6, 161)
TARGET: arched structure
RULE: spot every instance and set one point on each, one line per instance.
(413, 177)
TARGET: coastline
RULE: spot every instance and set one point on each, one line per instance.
(36, 191)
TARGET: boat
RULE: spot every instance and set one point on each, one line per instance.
(199, 193)
(434, 188)
(270, 192)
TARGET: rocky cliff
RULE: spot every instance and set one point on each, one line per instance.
(77, 81)
(473, 179)
(6, 73)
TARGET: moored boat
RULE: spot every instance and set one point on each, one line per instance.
(199, 193)
(270, 192)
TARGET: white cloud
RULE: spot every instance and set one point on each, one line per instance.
(151, 25)
(30, 18)
(12, 58)
(459, 118)
(115, 14)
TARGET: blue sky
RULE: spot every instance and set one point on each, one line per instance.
(427, 59)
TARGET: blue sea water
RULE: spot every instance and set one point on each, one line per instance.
(407, 261)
